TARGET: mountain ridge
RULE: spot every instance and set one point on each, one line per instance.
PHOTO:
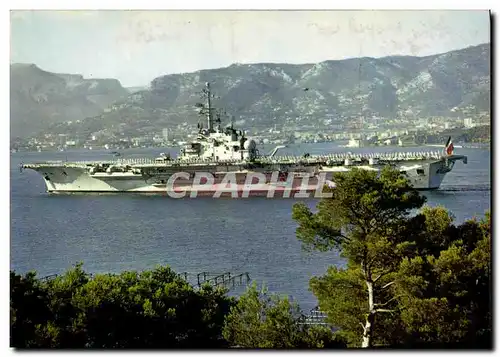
(39, 98)
(326, 60)
(277, 93)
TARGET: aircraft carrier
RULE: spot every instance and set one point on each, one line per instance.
(222, 161)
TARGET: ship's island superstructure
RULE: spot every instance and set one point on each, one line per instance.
(223, 161)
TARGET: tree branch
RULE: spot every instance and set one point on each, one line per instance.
(388, 284)
(384, 310)
(388, 301)
(358, 220)
(378, 277)
(364, 266)
(344, 237)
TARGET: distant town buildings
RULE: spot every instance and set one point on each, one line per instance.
(167, 135)
(289, 129)
(468, 122)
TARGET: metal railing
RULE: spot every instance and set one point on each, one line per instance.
(226, 280)
(287, 159)
(315, 317)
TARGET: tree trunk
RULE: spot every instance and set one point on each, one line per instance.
(368, 328)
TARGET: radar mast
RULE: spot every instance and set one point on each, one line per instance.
(208, 94)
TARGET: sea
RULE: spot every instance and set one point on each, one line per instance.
(113, 233)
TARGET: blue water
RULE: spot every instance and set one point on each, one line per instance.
(111, 233)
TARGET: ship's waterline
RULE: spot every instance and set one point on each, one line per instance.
(197, 184)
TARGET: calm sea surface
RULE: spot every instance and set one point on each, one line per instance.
(111, 233)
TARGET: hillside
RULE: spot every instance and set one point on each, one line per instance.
(39, 98)
(264, 94)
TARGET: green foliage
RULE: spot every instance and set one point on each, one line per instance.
(366, 219)
(151, 309)
(446, 297)
(363, 205)
(347, 309)
(260, 320)
(478, 134)
(410, 280)
(28, 309)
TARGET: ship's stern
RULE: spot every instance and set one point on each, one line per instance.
(431, 175)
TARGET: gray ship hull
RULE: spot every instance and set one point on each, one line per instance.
(234, 180)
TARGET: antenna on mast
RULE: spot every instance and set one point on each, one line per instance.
(209, 107)
(206, 109)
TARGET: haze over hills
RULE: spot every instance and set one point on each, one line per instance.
(39, 99)
(136, 89)
(264, 94)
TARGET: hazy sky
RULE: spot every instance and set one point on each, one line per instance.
(137, 46)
